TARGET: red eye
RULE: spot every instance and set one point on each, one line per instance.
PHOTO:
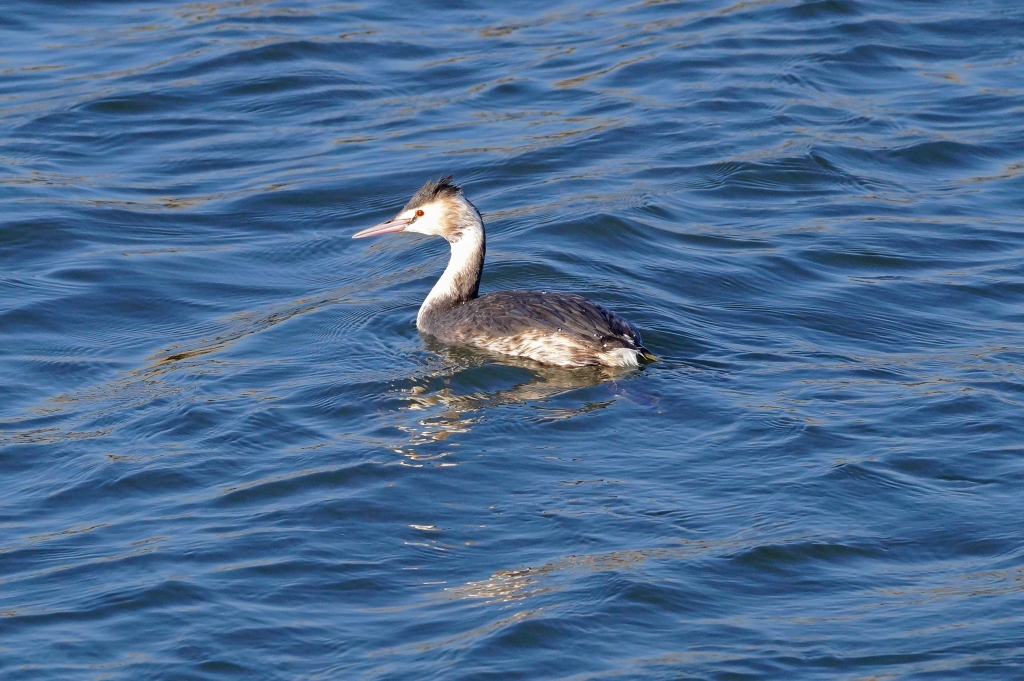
(419, 213)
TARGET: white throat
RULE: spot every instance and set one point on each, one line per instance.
(461, 279)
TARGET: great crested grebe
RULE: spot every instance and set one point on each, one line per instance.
(553, 328)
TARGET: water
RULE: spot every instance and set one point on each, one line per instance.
(227, 453)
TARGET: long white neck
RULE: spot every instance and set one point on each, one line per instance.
(461, 279)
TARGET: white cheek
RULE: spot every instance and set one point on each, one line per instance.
(426, 224)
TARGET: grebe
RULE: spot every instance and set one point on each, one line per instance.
(553, 328)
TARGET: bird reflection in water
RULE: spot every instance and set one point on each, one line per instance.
(449, 394)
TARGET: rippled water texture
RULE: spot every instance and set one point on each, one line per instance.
(225, 452)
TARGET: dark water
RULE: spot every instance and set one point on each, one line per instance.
(225, 452)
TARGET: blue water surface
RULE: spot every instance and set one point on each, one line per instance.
(226, 452)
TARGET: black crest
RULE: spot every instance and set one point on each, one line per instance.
(431, 191)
